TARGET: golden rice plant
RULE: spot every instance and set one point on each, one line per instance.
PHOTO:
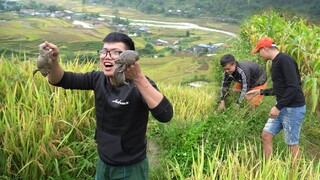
(39, 124)
(189, 103)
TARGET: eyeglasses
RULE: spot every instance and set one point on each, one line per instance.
(112, 53)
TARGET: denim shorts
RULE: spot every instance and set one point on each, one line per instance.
(290, 120)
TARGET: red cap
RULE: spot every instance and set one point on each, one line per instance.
(264, 42)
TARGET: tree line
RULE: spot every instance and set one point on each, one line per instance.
(235, 9)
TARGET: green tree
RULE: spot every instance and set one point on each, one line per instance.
(148, 48)
(54, 8)
(187, 33)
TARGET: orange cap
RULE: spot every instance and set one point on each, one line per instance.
(264, 42)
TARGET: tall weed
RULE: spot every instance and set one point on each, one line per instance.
(242, 162)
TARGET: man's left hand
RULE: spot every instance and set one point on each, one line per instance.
(274, 112)
(134, 72)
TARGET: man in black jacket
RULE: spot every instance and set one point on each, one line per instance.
(289, 111)
(247, 75)
(121, 111)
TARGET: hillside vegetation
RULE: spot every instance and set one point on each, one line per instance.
(224, 10)
(231, 11)
(47, 132)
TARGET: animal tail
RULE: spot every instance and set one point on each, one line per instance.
(35, 71)
(119, 78)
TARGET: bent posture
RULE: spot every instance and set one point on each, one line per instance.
(247, 75)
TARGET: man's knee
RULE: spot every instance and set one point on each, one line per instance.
(293, 147)
(266, 136)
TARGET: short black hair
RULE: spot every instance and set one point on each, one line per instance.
(120, 37)
(227, 59)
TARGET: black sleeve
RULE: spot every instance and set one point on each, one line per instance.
(164, 111)
(225, 86)
(244, 77)
(81, 81)
(267, 92)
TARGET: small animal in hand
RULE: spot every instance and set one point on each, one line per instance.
(126, 58)
(44, 62)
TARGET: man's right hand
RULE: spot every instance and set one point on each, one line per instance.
(252, 93)
(222, 105)
(55, 50)
(56, 72)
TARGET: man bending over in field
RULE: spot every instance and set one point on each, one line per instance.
(247, 75)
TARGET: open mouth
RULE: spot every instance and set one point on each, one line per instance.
(108, 65)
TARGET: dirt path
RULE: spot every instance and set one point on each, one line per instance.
(153, 154)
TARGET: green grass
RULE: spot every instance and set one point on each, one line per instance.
(243, 163)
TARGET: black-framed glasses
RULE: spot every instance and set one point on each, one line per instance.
(112, 53)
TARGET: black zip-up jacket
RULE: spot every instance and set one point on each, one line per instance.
(121, 116)
(286, 82)
(249, 74)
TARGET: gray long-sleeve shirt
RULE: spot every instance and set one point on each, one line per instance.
(249, 74)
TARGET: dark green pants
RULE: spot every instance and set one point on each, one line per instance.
(138, 171)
